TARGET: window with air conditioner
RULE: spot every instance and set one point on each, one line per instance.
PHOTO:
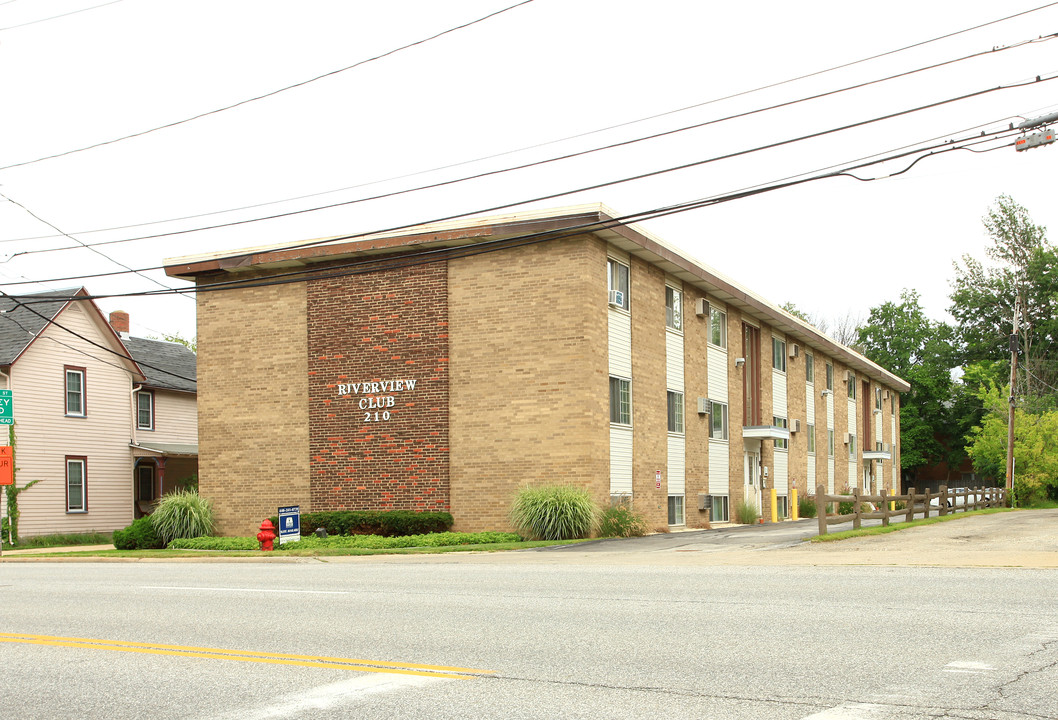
(617, 283)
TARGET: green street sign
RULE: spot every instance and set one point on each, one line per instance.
(7, 408)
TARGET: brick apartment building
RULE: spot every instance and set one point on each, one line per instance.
(446, 366)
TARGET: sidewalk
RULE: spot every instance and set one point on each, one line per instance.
(65, 548)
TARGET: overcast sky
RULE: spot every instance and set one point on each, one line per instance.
(540, 72)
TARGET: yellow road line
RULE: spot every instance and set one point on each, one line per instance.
(358, 664)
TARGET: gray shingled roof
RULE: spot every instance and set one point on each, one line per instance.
(19, 325)
(164, 364)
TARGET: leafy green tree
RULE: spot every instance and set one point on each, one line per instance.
(900, 338)
(191, 344)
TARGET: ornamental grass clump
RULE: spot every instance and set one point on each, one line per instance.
(554, 512)
(182, 514)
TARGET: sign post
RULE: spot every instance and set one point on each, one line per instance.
(289, 524)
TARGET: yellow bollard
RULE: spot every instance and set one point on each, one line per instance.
(774, 509)
(793, 504)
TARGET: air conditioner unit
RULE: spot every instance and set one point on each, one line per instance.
(885, 395)
(701, 307)
(845, 438)
(617, 298)
(848, 376)
(885, 447)
(795, 426)
(703, 406)
(795, 350)
(705, 501)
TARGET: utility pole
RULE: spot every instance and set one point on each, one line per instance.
(1013, 379)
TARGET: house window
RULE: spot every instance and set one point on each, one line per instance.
(830, 443)
(675, 412)
(673, 308)
(812, 439)
(145, 482)
(852, 446)
(877, 398)
(717, 327)
(718, 421)
(617, 283)
(830, 376)
(892, 401)
(676, 510)
(76, 485)
(620, 401)
(719, 511)
(778, 354)
(810, 369)
(852, 386)
(780, 444)
(75, 391)
(145, 410)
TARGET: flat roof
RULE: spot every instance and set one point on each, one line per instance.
(596, 219)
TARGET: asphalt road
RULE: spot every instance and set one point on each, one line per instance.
(650, 631)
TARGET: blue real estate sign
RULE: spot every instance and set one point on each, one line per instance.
(289, 524)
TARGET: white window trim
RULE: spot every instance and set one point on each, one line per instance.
(627, 307)
(723, 331)
(681, 413)
(725, 414)
(630, 412)
(775, 339)
(677, 292)
(82, 373)
(150, 396)
(83, 463)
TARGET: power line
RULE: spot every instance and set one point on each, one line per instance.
(596, 186)
(550, 142)
(56, 17)
(268, 94)
(432, 255)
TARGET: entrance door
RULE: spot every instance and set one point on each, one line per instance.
(868, 476)
(751, 463)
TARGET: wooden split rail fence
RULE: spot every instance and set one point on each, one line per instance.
(915, 503)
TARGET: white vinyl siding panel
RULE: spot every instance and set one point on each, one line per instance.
(620, 343)
(674, 360)
(830, 475)
(719, 467)
(810, 403)
(175, 419)
(45, 436)
(811, 472)
(677, 476)
(854, 474)
(782, 472)
(830, 459)
(620, 460)
(853, 417)
(778, 394)
(877, 429)
(716, 361)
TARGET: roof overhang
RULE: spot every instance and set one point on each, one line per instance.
(877, 455)
(594, 219)
(765, 432)
(164, 449)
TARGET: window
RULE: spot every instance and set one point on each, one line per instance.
(877, 398)
(782, 506)
(75, 391)
(145, 410)
(673, 308)
(718, 421)
(620, 401)
(717, 327)
(76, 485)
(676, 510)
(852, 386)
(719, 511)
(778, 354)
(781, 444)
(830, 376)
(830, 443)
(675, 412)
(810, 369)
(812, 438)
(145, 482)
(852, 446)
(617, 283)
(892, 402)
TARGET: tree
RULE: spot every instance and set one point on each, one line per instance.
(900, 338)
(191, 344)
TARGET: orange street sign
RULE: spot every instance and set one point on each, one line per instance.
(7, 465)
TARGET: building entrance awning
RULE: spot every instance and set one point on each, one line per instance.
(772, 432)
(164, 449)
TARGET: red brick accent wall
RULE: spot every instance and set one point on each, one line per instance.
(376, 443)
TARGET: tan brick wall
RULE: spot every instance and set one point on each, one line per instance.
(767, 447)
(696, 427)
(736, 448)
(797, 407)
(822, 438)
(842, 425)
(253, 424)
(529, 391)
(649, 398)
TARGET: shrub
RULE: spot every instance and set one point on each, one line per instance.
(378, 542)
(746, 512)
(140, 535)
(182, 514)
(846, 507)
(390, 523)
(554, 512)
(621, 521)
(806, 506)
(208, 542)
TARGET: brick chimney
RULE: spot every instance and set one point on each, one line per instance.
(119, 320)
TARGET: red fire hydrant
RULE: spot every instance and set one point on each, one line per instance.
(267, 535)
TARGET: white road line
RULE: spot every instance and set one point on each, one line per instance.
(968, 667)
(852, 711)
(329, 696)
(249, 590)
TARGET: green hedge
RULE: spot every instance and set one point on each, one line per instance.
(390, 523)
(140, 535)
(371, 542)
